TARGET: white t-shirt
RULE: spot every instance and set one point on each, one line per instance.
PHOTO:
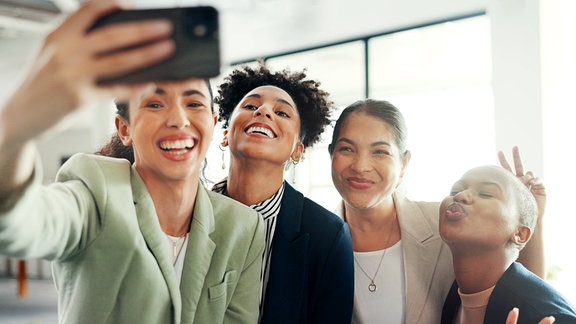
(176, 247)
(387, 303)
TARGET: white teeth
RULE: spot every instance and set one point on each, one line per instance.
(175, 145)
(260, 130)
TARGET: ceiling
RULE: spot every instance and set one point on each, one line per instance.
(251, 28)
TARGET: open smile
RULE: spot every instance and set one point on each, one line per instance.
(260, 130)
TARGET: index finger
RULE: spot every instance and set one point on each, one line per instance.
(512, 316)
(503, 162)
(518, 165)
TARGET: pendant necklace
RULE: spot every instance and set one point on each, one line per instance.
(175, 250)
(372, 286)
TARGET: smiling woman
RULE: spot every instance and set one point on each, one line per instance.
(269, 119)
(122, 235)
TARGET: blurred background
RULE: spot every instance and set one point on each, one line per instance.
(471, 77)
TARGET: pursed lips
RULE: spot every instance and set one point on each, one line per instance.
(454, 211)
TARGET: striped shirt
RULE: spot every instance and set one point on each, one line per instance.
(269, 209)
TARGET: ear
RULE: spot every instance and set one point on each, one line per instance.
(297, 153)
(225, 138)
(405, 162)
(123, 129)
(215, 119)
(522, 235)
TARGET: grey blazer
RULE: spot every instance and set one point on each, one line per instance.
(99, 225)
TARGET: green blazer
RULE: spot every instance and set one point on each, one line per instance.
(99, 225)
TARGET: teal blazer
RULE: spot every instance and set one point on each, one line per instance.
(99, 225)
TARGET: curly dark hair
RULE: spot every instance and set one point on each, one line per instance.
(312, 103)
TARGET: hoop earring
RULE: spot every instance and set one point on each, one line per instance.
(222, 149)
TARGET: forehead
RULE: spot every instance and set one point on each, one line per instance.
(270, 92)
(182, 87)
(488, 174)
(359, 123)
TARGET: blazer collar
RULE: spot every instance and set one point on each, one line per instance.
(199, 250)
(198, 255)
(421, 246)
(290, 217)
(286, 290)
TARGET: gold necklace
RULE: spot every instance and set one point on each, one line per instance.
(372, 286)
(175, 250)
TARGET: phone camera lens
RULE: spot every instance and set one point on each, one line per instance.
(200, 30)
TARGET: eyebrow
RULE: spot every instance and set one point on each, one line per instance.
(280, 100)
(481, 183)
(491, 184)
(192, 92)
(351, 142)
(186, 93)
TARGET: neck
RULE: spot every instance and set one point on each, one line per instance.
(174, 203)
(251, 182)
(374, 228)
(479, 271)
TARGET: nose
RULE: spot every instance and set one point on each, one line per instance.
(361, 163)
(177, 117)
(264, 110)
(462, 197)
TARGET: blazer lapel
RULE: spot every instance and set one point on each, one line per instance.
(285, 292)
(452, 305)
(420, 247)
(155, 238)
(198, 255)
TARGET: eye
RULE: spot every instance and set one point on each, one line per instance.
(454, 192)
(346, 149)
(282, 114)
(485, 195)
(381, 152)
(195, 105)
(250, 107)
(154, 105)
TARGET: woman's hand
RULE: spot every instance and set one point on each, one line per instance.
(63, 78)
(513, 318)
(64, 73)
(533, 183)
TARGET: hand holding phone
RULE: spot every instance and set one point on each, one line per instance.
(195, 33)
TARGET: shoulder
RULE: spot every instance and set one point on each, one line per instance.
(417, 218)
(323, 226)
(93, 167)
(312, 213)
(534, 296)
(427, 209)
(228, 211)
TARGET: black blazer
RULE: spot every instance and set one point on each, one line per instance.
(311, 276)
(520, 288)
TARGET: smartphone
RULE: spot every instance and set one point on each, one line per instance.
(195, 33)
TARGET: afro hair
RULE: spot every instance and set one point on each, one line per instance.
(312, 103)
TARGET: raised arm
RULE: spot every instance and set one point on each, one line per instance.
(63, 78)
(532, 256)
